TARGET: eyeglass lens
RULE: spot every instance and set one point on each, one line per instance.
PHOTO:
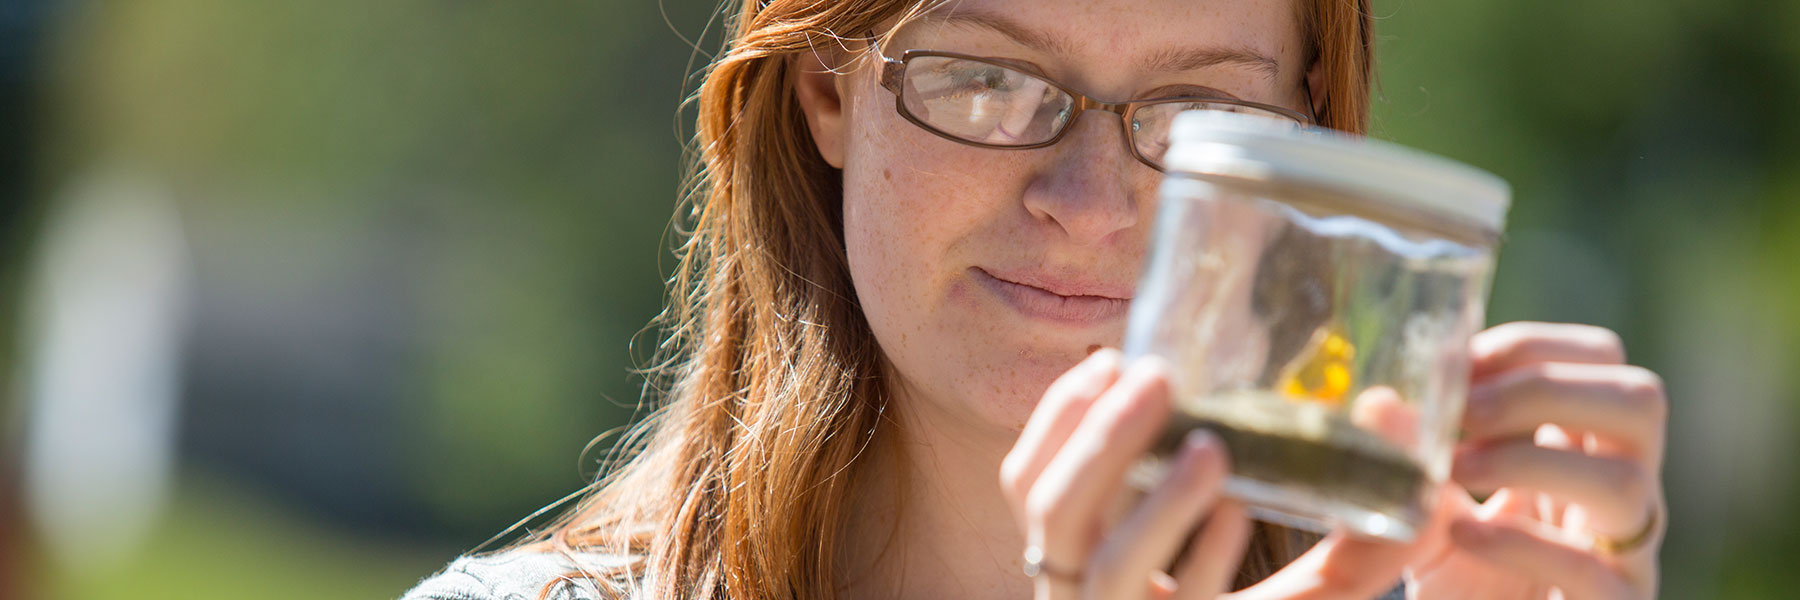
(988, 103)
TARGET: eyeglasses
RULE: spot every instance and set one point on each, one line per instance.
(989, 103)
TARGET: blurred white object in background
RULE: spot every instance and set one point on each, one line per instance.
(105, 316)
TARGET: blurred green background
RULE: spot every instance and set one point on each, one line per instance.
(416, 244)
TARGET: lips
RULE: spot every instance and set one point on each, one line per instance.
(1063, 300)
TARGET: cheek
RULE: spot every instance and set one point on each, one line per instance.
(915, 205)
(891, 248)
(906, 230)
(919, 211)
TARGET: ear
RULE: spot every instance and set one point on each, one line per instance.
(817, 86)
(1315, 89)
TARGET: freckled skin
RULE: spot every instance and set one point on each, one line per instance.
(920, 210)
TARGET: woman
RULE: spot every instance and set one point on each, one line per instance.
(892, 259)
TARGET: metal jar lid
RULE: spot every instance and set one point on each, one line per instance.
(1213, 145)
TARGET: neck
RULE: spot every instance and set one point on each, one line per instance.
(928, 517)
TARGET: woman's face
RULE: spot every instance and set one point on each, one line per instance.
(986, 273)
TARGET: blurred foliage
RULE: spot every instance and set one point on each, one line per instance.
(220, 541)
(524, 157)
(500, 177)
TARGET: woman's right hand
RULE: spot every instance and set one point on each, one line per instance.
(1065, 479)
(1067, 472)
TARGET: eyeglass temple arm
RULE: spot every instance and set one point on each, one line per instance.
(893, 70)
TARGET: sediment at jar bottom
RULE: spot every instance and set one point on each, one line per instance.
(1309, 451)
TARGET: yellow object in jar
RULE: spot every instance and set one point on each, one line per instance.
(1322, 372)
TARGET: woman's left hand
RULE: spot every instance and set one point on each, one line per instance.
(1569, 439)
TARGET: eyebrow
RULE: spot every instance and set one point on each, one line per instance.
(1189, 59)
(1168, 60)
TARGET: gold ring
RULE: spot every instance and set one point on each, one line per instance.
(1035, 565)
(1614, 546)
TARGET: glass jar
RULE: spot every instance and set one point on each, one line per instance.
(1315, 294)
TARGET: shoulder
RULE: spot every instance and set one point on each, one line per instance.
(515, 575)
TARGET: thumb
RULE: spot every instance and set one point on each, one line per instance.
(1343, 566)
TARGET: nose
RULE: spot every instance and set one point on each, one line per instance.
(1087, 187)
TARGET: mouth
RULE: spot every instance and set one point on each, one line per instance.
(1057, 300)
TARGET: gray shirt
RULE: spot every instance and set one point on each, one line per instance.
(513, 575)
(522, 575)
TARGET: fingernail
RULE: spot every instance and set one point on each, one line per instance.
(1198, 448)
(1200, 439)
(1199, 443)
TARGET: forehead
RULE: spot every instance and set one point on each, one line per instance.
(1123, 32)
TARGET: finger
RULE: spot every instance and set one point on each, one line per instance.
(1535, 550)
(1511, 501)
(1213, 559)
(1063, 507)
(1511, 345)
(1339, 567)
(1342, 567)
(1381, 410)
(1055, 417)
(1618, 494)
(1148, 539)
(1622, 403)
(1550, 507)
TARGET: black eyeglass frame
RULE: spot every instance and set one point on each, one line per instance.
(893, 77)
